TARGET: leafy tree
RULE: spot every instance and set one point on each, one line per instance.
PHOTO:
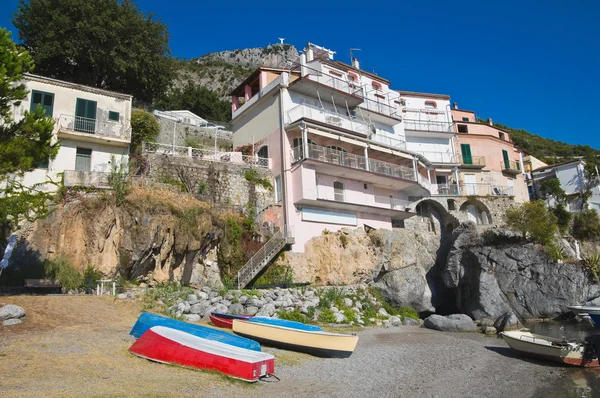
(533, 220)
(586, 225)
(551, 188)
(200, 100)
(102, 43)
(24, 143)
(563, 218)
(144, 128)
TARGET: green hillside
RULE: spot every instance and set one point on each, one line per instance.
(547, 150)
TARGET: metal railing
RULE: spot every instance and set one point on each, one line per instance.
(385, 202)
(387, 140)
(328, 117)
(264, 255)
(471, 189)
(511, 165)
(341, 158)
(380, 107)
(439, 157)
(428, 125)
(476, 161)
(206, 154)
(336, 83)
(86, 125)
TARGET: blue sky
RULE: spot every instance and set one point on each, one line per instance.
(532, 64)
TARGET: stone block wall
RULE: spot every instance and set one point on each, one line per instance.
(223, 184)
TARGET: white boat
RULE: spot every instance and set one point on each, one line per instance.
(584, 309)
(549, 348)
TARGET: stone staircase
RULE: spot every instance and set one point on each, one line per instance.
(264, 256)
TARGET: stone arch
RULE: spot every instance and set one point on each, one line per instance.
(476, 211)
(435, 212)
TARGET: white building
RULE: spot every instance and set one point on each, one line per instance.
(92, 125)
(183, 116)
(572, 180)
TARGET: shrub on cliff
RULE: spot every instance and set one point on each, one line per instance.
(144, 128)
(586, 225)
(533, 221)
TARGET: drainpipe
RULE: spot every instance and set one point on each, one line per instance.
(415, 168)
(283, 158)
(367, 167)
(457, 182)
(304, 141)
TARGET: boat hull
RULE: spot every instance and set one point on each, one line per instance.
(165, 345)
(595, 318)
(284, 323)
(584, 309)
(147, 321)
(221, 322)
(317, 343)
(547, 348)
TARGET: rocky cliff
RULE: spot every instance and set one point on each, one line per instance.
(223, 71)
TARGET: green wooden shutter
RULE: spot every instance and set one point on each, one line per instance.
(46, 100)
(466, 153)
(85, 116)
(506, 160)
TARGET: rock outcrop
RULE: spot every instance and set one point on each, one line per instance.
(450, 323)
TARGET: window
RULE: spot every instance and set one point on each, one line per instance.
(43, 164)
(263, 152)
(462, 128)
(338, 191)
(376, 85)
(337, 148)
(298, 142)
(430, 104)
(506, 159)
(366, 186)
(46, 100)
(466, 153)
(85, 116)
(336, 74)
(83, 159)
(351, 78)
(500, 135)
(278, 197)
(441, 180)
(114, 116)
(465, 119)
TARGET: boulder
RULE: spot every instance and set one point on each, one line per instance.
(251, 310)
(208, 311)
(335, 310)
(383, 312)
(339, 317)
(347, 302)
(199, 308)
(192, 299)
(122, 296)
(395, 321)
(490, 330)
(505, 321)
(236, 308)
(10, 322)
(192, 317)
(451, 323)
(410, 322)
(268, 309)
(11, 311)
(406, 287)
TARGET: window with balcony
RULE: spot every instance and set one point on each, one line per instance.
(462, 128)
(338, 191)
(46, 100)
(466, 154)
(85, 116)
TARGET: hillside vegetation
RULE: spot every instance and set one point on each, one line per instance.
(546, 149)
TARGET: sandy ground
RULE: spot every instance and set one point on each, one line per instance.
(77, 346)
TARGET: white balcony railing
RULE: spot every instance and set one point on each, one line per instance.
(380, 107)
(387, 140)
(440, 157)
(384, 202)
(471, 189)
(328, 117)
(97, 127)
(427, 125)
(334, 82)
(346, 159)
(206, 154)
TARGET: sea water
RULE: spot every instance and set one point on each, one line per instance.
(577, 382)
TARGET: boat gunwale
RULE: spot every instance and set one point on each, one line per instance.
(313, 332)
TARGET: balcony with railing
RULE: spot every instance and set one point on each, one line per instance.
(472, 162)
(388, 141)
(471, 189)
(328, 117)
(382, 107)
(350, 160)
(433, 126)
(335, 83)
(439, 157)
(511, 167)
(86, 127)
(210, 155)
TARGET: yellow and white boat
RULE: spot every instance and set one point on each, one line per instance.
(314, 342)
(544, 347)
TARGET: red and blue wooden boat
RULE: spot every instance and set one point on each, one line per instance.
(226, 320)
(147, 321)
(166, 345)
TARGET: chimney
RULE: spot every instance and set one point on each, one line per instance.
(303, 68)
(355, 63)
(455, 105)
(309, 54)
(490, 121)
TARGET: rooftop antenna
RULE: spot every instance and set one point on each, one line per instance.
(351, 55)
(281, 39)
